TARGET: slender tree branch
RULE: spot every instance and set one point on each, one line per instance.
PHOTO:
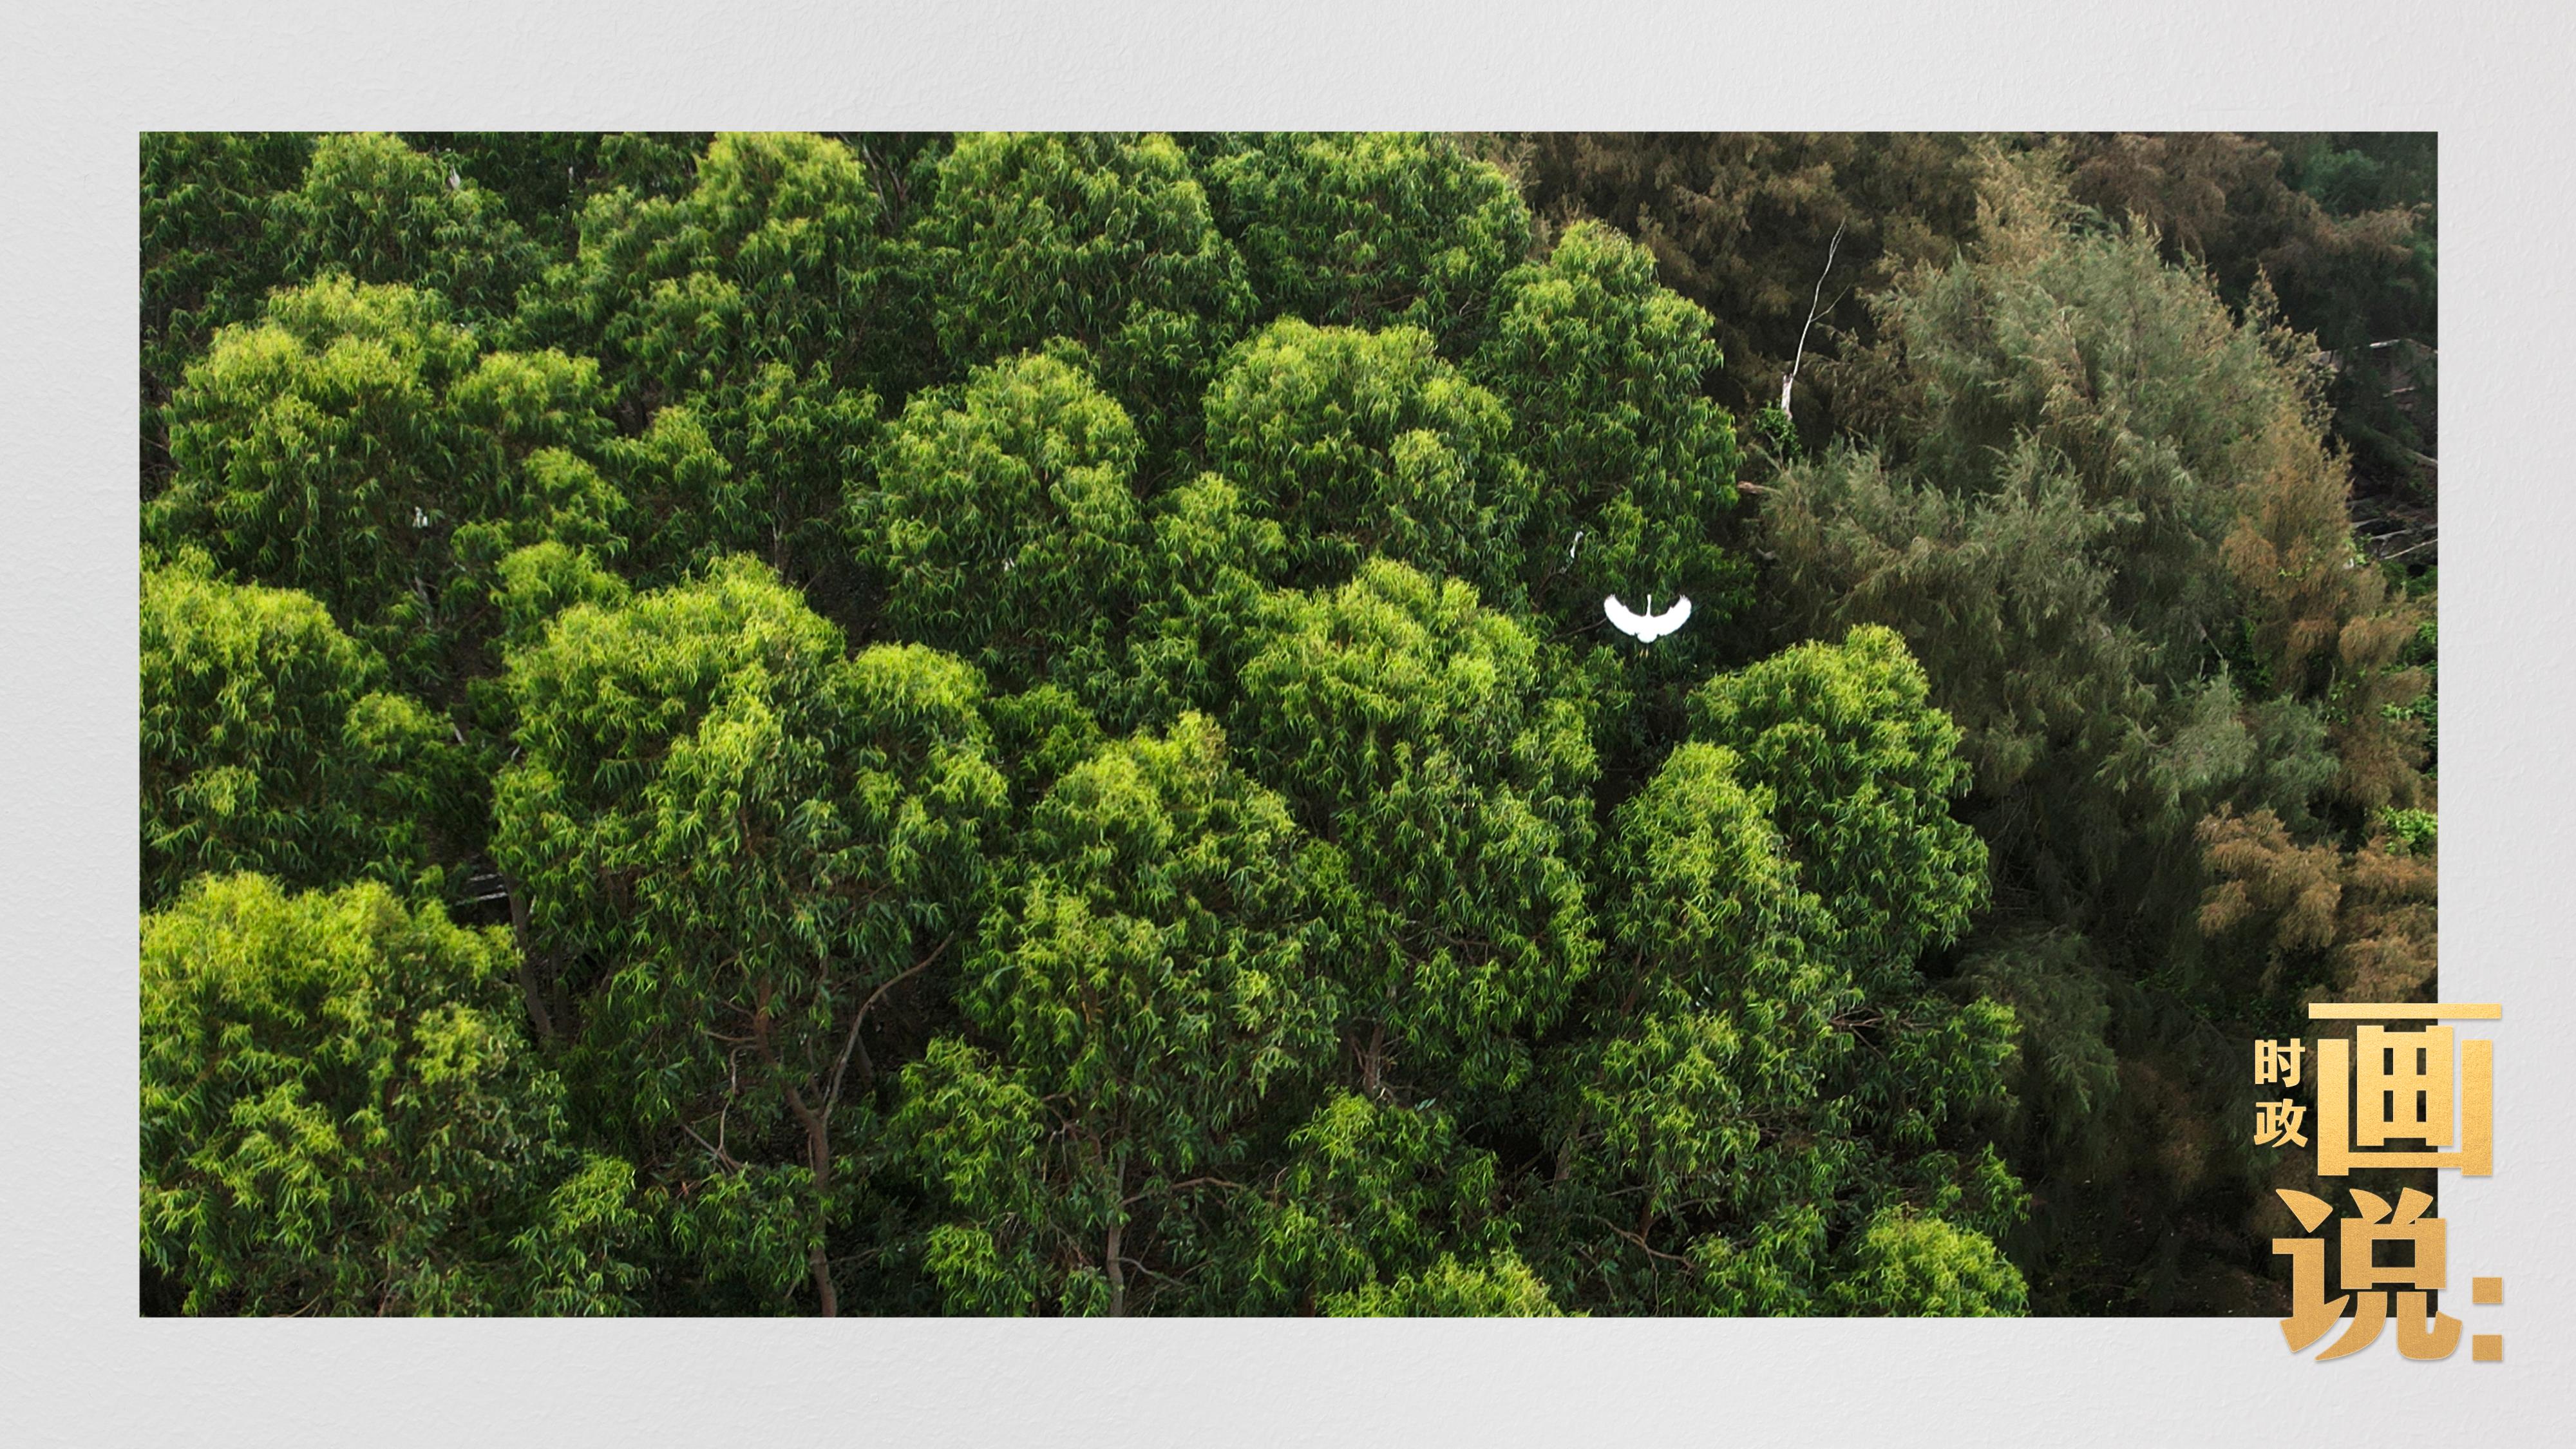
(832, 1092)
(1815, 304)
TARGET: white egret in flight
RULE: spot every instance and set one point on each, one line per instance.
(1646, 628)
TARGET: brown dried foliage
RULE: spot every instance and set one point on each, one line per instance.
(2371, 911)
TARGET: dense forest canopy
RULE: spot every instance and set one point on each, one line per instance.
(1024, 723)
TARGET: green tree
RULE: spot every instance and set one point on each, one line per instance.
(270, 745)
(544, 178)
(1376, 1206)
(1211, 564)
(1763, 1069)
(1766, 230)
(1005, 526)
(1105, 240)
(2098, 492)
(362, 447)
(1500, 1287)
(1369, 230)
(1367, 443)
(1922, 1266)
(778, 254)
(1417, 733)
(1155, 978)
(735, 843)
(1632, 466)
(373, 209)
(340, 1116)
(2101, 511)
(749, 328)
(1861, 768)
(206, 259)
(762, 468)
(2339, 226)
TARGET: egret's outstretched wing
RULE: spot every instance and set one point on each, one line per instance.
(1646, 628)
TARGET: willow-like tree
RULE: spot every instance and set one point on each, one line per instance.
(1154, 982)
(1368, 444)
(1416, 732)
(270, 745)
(341, 1115)
(2102, 514)
(364, 448)
(1766, 230)
(735, 843)
(1106, 240)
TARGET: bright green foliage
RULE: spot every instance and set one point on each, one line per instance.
(761, 468)
(376, 210)
(340, 1116)
(1235, 869)
(1632, 467)
(1750, 1085)
(2414, 831)
(269, 744)
(734, 841)
(1922, 1266)
(1156, 976)
(1212, 562)
(1105, 240)
(1414, 730)
(778, 255)
(1005, 526)
(205, 214)
(1371, 1193)
(1712, 1033)
(1501, 1287)
(579, 1252)
(1370, 230)
(361, 447)
(544, 579)
(1367, 443)
(761, 312)
(1860, 769)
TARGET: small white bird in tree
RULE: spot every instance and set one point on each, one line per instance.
(1648, 627)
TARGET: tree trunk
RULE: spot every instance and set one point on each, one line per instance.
(1117, 1271)
(1117, 1230)
(818, 1160)
(528, 987)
